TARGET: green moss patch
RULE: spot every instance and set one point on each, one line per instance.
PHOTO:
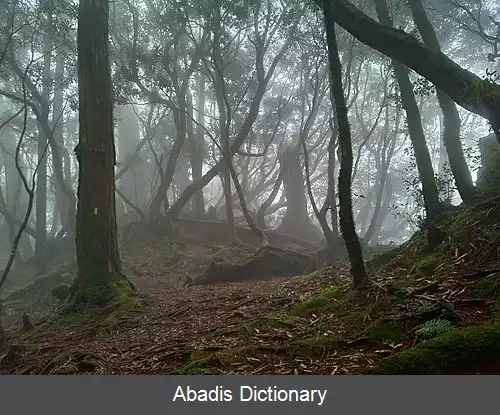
(311, 306)
(384, 330)
(453, 352)
(489, 289)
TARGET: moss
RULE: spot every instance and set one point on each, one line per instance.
(271, 288)
(322, 271)
(428, 264)
(267, 323)
(200, 363)
(400, 287)
(453, 352)
(488, 289)
(94, 294)
(61, 291)
(353, 319)
(383, 330)
(337, 292)
(380, 305)
(203, 362)
(459, 226)
(311, 306)
(382, 259)
(314, 347)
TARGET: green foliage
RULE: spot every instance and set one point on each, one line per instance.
(433, 328)
(426, 307)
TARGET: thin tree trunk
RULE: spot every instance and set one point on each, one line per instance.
(197, 146)
(41, 182)
(346, 160)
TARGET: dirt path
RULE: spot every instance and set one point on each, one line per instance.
(159, 338)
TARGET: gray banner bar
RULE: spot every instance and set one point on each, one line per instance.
(134, 395)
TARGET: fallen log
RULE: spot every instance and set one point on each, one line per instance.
(268, 261)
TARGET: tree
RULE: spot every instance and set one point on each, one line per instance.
(468, 90)
(99, 277)
(451, 118)
(346, 159)
(415, 130)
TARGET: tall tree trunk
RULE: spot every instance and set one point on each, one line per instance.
(351, 240)
(452, 123)
(224, 128)
(61, 200)
(296, 220)
(99, 276)
(197, 147)
(415, 129)
(41, 179)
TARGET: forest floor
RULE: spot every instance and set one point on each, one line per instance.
(422, 312)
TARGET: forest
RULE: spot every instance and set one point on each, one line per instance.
(257, 187)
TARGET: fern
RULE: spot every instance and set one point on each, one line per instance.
(433, 328)
(426, 307)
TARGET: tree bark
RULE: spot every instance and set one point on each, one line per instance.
(41, 179)
(197, 147)
(351, 240)
(99, 276)
(415, 129)
(451, 118)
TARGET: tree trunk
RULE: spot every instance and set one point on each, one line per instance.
(99, 276)
(346, 160)
(462, 86)
(296, 220)
(415, 130)
(41, 179)
(452, 123)
(261, 212)
(246, 126)
(197, 147)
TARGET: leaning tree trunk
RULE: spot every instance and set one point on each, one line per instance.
(346, 159)
(468, 90)
(451, 118)
(415, 129)
(99, 276)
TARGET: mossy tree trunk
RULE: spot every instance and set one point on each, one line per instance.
(451, 117)
(415, 129)
(346, 158)
(99, 276)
